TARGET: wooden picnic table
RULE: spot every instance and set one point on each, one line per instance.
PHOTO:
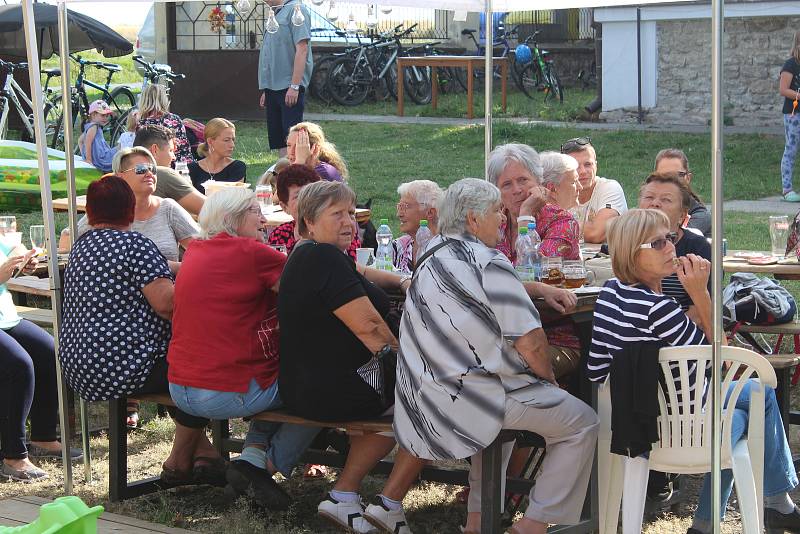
(275, 218)
(434, 62)
(788, 270)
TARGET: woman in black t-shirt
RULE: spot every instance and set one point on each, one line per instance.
(332, 321)
(217, 163)
(790, 91)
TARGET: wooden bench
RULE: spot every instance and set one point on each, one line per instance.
(38, 316)
(120, 488)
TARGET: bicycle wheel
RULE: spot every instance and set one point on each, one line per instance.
(390, 80)
(121, 100)
(120, 127)
(318, 87)
(554, 90)
(417, 82)
(4, 118)
(53, 122)
(530, 80)
(348, 82)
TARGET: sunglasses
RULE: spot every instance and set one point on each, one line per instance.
(142, 168)
(574, 144)
(659, 244)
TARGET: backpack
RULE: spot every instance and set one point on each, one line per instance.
(196, 134)
(753, 300)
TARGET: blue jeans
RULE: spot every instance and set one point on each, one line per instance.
(791, 127)
(285, 443)
(779, 473)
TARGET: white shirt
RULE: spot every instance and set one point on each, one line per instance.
(605, 192)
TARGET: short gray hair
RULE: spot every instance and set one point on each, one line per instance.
(554, 165)
(468, 195)
(124, 153)
(314, 198)
(224, 211)
(426, 192)
(502, 155)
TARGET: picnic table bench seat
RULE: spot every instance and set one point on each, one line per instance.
(38, 316)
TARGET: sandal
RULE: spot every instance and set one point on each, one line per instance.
(209, 470)
(316, 471)
(173, 477)
(791, 196)
(132, 420)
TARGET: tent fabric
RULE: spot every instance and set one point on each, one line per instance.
(85, 33)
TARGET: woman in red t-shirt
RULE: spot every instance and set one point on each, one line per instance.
(223, 356)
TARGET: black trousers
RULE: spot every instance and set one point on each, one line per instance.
(157, 383)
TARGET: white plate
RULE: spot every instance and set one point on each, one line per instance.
(587, 290)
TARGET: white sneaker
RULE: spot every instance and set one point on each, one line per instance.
(390, 521)
(346, 515)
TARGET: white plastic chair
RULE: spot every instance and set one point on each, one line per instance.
(685, 439)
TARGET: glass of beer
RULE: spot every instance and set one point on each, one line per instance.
(576, 275)
(552, 271)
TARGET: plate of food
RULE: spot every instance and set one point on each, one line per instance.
(748, 254)
(587, 290)
(763, 260)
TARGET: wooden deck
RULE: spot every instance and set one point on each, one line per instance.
(23, 510)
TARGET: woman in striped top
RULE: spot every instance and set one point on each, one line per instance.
(632, 308)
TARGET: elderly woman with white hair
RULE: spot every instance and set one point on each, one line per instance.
(227, 291)
(557, 227)
(418, 200)
(516, 170)
(474, 359)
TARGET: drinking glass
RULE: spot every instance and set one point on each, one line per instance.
(778, 234)
(364, 255)
(553, 270)
(8, 224)
(264, 196)
(576, 275)
(37, 238)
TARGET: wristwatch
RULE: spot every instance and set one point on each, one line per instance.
(294, 86)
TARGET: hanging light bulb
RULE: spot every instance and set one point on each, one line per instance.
(243, 6)
(351, 27)
(333, 13)
(317, 2)
(297, 17)
(386, 9)
(272, 22)
(372, 17)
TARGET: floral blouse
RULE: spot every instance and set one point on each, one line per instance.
(284, 235)
(558, 229)
(183, 150)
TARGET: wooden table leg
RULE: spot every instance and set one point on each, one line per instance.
(504, 81)
(469, 95)
(491, 465)
(400, 93)
(783, 395)
(434, 87)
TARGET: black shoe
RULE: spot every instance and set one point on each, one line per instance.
(790, 522)
(659, 487)
(257, 484)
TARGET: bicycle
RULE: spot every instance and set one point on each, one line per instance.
(539, 74)
(352, 76)
(10, 96)
(120, 99)
(502, 39)
(154, 73)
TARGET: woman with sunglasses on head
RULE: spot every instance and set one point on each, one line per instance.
(162, 220)
(632, 306)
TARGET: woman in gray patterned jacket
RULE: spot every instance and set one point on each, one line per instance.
(473, 360)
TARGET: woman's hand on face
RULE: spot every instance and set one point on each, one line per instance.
(537, 198)
(302, 153)
(693, 273)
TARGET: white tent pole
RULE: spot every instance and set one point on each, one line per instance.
(49, 224)
(66, 122)
(489, 78)
(717, 22)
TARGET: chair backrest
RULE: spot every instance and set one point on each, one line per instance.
(685, 421)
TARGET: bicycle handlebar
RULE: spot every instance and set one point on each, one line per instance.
(153, 71)
(111, 67)
(11, 67)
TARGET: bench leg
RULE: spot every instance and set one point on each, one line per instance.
(783, 396)
(117, 450)
(87, 453)
(491, 465)
(220, 432)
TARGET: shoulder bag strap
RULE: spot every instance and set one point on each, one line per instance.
(429, 253)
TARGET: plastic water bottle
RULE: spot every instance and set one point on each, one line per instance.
(524, 249)
(423, 236)
(536, 256)
(383, 255)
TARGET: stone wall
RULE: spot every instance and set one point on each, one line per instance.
(754, 52)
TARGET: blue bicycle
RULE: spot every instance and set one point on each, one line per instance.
(501, 40)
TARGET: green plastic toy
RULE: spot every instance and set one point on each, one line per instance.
(65, 515)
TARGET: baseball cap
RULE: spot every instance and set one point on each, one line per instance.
(100, 106)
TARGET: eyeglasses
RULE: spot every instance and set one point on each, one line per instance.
(574, 144)
(142, 168)
(403, 206)
(659, 244)
(682, 174)
(254, 209)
